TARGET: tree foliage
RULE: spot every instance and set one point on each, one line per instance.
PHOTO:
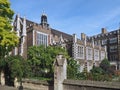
(5, 10)
(8, 39)
(105, 65)
(41, 59)
(17, 65)
(96, 73)
(6, 15)
(102, 73)
(97, 70)
(72, 69)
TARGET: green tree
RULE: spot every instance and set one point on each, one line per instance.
(72, 69)
(105, 64)
(6, 15)
(96, 73)
(96, 70)
(8, 39)
(41, 60)
(102, 73)
(17, 66)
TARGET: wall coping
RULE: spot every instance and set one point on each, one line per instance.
(105, 84)
(38, 82)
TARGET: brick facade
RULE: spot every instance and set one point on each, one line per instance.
(112, 42)
(42, 34)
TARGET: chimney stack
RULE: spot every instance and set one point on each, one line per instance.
(83, 36)
(104, 30)
(74, 38)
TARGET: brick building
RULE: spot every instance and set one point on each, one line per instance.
(112, 41)
(87, 53)
(30, 33)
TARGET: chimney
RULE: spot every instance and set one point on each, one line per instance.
(74, 38)
(83, 36)
(104, 30)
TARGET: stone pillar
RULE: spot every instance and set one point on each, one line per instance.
(18, 25)
(16, 83)
(60, 72)
(74, 46)
(2, 78)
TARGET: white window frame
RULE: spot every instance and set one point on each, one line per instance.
(43, 38)
(102, 55)
(89, 53)
(96, 55)
(80, 52)
(113, 40)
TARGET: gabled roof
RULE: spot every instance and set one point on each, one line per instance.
(59, 33)
(28, 22)
(53, 31)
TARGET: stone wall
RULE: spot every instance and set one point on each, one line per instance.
(90, 85)
(37, 85)
(71, 85)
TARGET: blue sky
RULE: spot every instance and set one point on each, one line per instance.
(72, 16)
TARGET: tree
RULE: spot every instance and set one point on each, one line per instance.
(102, 73)
(96, 70)
(96, 73)
(72, 69)
(8, 39)
(105, 65)
(41, 60)
(15, 65)
(6, 15)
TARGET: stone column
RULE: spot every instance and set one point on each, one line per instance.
(60, 72)
(16, 83)
(2, 78)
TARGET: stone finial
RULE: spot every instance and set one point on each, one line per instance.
(18, 25)
(24, 27)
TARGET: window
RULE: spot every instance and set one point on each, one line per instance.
(115, 32)
(102, 55)
(113, 40)
(106, 34)
(96, 54)
(80, 51)
(113, 58)
(104, 42)
(42, 39)
(113, 48)
(89, 53)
